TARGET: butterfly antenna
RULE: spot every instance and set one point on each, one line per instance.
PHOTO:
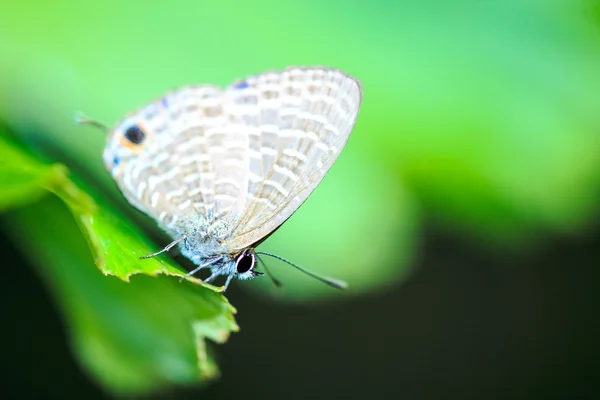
(328, 281)
(81, 119)
(275, 281)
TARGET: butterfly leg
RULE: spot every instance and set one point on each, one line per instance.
(227, 282)
(192, 272)
(209, 262)
(210, 278)
(167, 248)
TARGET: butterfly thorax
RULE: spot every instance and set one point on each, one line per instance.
(202, 249)
(204, 239)
(206, 245)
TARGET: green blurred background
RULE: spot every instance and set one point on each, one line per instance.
(463, 211)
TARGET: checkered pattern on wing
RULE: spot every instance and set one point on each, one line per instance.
(297, 122)
(194, 162)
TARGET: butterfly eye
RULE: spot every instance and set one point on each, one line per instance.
(134, 134)
(245, 262)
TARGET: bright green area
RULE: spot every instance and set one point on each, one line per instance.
(482, 116)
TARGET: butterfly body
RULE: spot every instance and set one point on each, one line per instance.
(220, 170)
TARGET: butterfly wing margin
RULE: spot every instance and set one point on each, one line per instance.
(297, 121)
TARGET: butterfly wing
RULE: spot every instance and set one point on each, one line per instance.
(192, 164)
(297, 122)
(250, 155)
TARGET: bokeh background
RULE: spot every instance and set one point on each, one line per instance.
(463, 211)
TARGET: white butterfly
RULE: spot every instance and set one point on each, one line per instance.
(221, 170)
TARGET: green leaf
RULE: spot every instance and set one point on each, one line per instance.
(134, 337)
(22, 179)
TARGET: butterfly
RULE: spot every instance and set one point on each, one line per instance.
(220, 170)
